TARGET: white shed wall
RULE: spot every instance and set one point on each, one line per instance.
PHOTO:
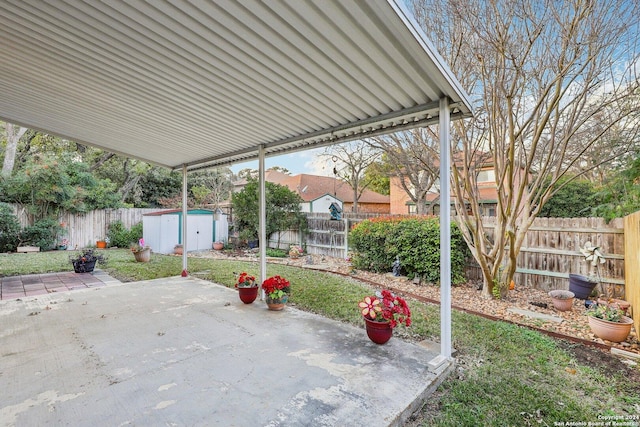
(161, 232)
(221, 228)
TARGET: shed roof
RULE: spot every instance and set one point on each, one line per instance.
(206, 83)
(196, 211)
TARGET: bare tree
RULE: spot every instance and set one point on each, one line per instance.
(12, 134)
(219, 181)
(351, 160)
(554, 82)
(414, 157)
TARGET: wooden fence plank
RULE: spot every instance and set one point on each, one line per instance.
(84, 229)
(551, 251)
(632, 271)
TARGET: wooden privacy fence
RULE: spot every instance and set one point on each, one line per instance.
(632, 267)
(328, 237)
(83, 230)
(86, 229)
(551, 251)
(325, 237)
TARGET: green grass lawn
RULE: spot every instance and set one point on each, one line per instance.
(505, 376)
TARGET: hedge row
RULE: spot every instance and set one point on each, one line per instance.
(415, 241)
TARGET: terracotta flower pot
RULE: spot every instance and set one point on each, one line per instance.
(143, 255)
(101, 244)
(378, 332)
(562, 300)
(611, 331)
(277, 304)
(248, 295)
(218, 246)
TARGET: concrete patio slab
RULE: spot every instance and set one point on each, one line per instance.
(184, 351)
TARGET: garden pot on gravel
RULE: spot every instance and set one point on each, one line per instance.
(581, 285)
(609, 323)
(562, 300)
(611, 331)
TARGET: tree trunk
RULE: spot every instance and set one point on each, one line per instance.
(354, 207)
(13, 135)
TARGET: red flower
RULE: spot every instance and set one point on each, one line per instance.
(275, 287)
(388, 307)
(245, 281)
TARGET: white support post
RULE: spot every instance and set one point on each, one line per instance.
(445, 230)
(262, 226)
(185, 210)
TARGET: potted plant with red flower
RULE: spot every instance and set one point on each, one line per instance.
(277, 290)
(247, 288)
(382, 312)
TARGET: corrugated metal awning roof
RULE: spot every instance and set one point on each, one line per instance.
(204, 83)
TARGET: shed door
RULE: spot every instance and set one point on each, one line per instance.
(199, 232)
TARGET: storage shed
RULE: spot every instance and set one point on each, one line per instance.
(162, 230)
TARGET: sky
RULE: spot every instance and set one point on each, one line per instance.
(309, 162)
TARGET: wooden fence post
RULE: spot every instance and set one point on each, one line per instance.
(632, 265)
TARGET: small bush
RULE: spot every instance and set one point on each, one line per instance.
(9, 229)
(122, 237)
(136, 232)
(276, 253)
(416, 241)
(43, 233)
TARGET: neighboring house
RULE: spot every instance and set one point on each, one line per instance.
(318, 192)
(401, 204)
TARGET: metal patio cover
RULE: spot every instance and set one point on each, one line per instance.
(205, 83)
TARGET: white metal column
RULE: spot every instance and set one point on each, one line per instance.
(445, 230)
(184, 221)
(262, 200)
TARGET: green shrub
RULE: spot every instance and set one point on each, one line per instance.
(122, 237)
(9, 229)
(416, 241)
(136, 232)
(43, 233)
(276, 253)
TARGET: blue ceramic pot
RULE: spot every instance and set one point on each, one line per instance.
(581, 285)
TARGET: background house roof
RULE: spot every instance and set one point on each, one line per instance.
(206, 83)
(312, 187)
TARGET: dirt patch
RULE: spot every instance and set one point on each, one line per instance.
(604, 362)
